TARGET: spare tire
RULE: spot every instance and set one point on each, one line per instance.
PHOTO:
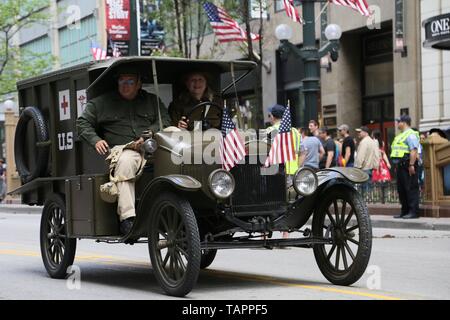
(31, 151)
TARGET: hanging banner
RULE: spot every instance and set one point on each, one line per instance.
(118, 19)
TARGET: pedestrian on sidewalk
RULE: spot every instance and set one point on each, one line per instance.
(313, 127)
(329, 159)
(367, 156)
(348, 146)
(2, 180)
(381, 174)
(404, 155)
(311, 151)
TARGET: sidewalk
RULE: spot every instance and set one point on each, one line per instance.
(378, 221)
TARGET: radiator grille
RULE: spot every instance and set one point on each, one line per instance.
(256, 192)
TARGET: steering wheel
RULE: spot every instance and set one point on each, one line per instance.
(206, 120)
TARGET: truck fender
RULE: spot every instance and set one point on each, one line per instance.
(177, 183)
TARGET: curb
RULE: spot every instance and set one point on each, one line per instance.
(20, 209)
(410, 225)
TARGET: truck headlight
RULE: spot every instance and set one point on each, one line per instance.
(305, 182)
(221, 183)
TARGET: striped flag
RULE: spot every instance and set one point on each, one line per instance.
(283, 148)
(291, 11)
(232, 147)
(359, 5)
(98, 53)
(224, 26)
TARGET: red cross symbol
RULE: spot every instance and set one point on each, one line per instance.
(64, 105)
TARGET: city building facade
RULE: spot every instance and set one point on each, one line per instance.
(435, 64)
(376, 78)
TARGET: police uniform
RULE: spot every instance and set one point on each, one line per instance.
(118, 121)
(407, 185)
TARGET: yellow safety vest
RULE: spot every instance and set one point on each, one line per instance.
(290, 166)
(399, 146)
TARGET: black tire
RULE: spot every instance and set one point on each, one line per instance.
(334, 215)
(21, 141)
(207, 258)
(174, 244)
(57, 250)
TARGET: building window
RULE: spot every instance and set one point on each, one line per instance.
(379, 78)
(40, 46)
(75, 43)
(279, 4)
(378, 110)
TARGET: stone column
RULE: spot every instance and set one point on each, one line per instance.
(12, 177)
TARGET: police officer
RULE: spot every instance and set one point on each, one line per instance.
(405, 156)
(116, 119)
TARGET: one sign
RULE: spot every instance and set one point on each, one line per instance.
(118, 19)
(437, 32)
(399, 26)
(64, 105)
(81, 101)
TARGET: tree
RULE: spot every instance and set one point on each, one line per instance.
(15, 62)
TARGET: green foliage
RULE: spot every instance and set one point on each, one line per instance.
(17, 63)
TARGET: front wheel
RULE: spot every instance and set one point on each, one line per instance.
(57, 249)
(343, 216)
(174, 244)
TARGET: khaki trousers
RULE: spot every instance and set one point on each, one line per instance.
(127, 166)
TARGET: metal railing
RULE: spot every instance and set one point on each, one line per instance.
(383, 193)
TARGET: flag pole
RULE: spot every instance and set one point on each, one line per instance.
(322, 11)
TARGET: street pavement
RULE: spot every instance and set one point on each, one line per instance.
(405, 264)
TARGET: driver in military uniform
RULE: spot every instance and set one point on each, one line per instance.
(116, 119)
(182, 111)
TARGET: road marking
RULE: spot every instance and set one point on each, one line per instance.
(110, 260)
(289, 284)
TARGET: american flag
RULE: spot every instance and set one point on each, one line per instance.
(97, 52)
(359, 5)
(232, 147)
(292, 11)
(225, 27)
(283, 148)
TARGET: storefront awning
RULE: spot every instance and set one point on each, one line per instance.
(437, 32)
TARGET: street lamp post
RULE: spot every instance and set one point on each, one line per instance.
(310, 54)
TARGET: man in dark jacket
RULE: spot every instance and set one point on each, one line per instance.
(118, 118)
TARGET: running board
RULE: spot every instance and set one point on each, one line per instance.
(268, 243)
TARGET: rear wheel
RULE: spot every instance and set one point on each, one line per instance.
(57, 250)
(344, 217)
(174, 244)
